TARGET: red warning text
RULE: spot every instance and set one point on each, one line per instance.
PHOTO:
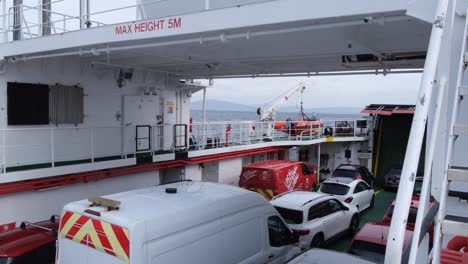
(149, 26)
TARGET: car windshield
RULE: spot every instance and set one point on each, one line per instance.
(345, 173)
(290, 216)
(3, 260)
(370, 251)
(395, 172)
(411, 216)
(333, 188)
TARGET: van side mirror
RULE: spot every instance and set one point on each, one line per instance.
(294, 238)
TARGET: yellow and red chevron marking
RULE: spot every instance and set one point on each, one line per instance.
(267, 193)
(105, 237)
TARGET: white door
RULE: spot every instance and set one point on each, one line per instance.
(361, 194)
(340, 216)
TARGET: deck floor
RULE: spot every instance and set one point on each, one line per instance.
(382, 201)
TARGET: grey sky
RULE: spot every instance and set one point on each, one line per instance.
(332, 91)
(329, 91)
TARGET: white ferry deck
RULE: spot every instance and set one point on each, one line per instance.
(132, 69)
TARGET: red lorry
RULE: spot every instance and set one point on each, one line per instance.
(274, 177)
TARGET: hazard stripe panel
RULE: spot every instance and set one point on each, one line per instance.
(102, 236)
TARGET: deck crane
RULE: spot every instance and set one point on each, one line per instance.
(268, 111)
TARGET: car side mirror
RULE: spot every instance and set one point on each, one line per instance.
(345, 208)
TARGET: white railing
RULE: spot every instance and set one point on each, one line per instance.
(57, 146)
(30, 25)
(225, 134)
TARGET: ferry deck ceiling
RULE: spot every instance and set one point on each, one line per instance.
(385, 41)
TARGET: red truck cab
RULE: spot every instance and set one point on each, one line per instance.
(30, 243)
(274, 177)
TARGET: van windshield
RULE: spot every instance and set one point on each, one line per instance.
(290, 216)
(333, 188)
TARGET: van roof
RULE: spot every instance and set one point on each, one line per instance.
(165, 213)
(273, 164)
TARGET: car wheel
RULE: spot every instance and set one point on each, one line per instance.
(354, 225)
(372, 202)
(317, 241)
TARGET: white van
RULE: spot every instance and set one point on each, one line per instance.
(185, 222)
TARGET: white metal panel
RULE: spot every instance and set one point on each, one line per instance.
(422, 9)
(280, 11)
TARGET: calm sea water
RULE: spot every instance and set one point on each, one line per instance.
(212, 116)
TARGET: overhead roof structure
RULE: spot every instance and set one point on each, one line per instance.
(387, 110)
(266, 38)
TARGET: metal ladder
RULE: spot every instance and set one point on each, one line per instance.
(449, 224)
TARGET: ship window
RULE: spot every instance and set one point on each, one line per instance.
(66, 104)
(40, 104)
(28, 104)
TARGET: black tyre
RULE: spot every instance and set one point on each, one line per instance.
(372, 202)
(354, 225)
(317, 241)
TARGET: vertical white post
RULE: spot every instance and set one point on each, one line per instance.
(52, 147)
(39, 17)
(3, 151)
(88, 13)
(318, 162)
(4, 21)
(91, 131)
(124, 145)
(204, 119)
(395, 241)
(207, 4)
(425, 191)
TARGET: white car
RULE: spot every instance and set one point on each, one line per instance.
(350, 191)
(316, 217)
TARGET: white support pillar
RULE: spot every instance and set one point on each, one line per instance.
(82, 13)
(39, 17)
(85, 11)
(394, 250)
(88, 13)
(318, 162)
(4, 21)
(17, 19)
(204, 118)
(45, 27)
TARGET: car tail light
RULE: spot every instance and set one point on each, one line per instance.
(392, 177)
(359, 176)
(302, 232)
(348, 200)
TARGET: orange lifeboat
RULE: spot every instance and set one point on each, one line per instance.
(304, 126)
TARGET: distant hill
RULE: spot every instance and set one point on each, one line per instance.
(220, 105)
